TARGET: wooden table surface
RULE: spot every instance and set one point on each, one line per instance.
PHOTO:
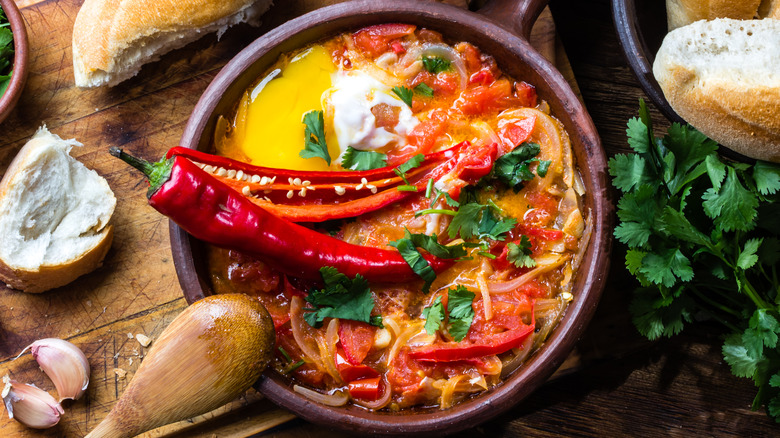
(617, 384)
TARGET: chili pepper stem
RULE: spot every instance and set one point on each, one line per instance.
(157, 173)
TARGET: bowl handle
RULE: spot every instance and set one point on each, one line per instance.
(517, 15)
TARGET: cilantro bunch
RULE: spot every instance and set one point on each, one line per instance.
(6, 52)
(703, 241)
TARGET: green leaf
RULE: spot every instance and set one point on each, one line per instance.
(716, 170)
(629, 172)
(638, 136)
(767, 177)
(774, 381)
(513, 168)
(765, 327)
(773, 407)
(747, 257)
(424, 90)
(520, 254)
(432, 245)
(676, 224)
(637, 211)
(732, 207)
(491, 227)
(314, 137)
(655, 316)
(461, 312)
(362, 160)
(662, 268)
(405, 94)
(435, 64)
(737, 356)
(433, 315)
(543, 167)
(410, 164)
(690, 147)
(466, 221)
(634, 260)
(342, 298)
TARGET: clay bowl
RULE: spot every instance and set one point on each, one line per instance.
(517, 58)
(19, 76)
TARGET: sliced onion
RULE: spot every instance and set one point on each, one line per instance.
(300, 329)
(402, 339)
(584, 240)
(451, 55)
(338, 398)
(328, 349)
(543, 265)
(520, 354)
(379, 403)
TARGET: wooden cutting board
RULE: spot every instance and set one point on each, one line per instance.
(136, 290)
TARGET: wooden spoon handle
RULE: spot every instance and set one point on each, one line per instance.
(516, 15)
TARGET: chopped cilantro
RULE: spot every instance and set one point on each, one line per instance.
(477, 220)
(423, 89)
(342, 298)
(519, 254)
(460, 313)
(405, 94)
(363, 160)
(413, 162)
(314, 137)
(435, 64)
(6, 52)
(513, 169)
(703, 240)
(408, 245)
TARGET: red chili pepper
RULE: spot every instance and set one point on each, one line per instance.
(316, 196)
(365, 389)
(491, 344)
(215, 213)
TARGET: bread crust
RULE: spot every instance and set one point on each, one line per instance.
(52, 276)
(682, 12)
(105, 30)
(740, 112)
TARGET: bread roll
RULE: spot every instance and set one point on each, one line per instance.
(723, 77)
(54, 216)
(682, 12)
(769, 9)
(112, 39)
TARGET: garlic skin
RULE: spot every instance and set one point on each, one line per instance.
(30, 405)
(64, 363)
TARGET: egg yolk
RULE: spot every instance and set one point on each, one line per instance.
(274, 128)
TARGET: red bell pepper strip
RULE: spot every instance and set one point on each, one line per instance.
(215, 213)
(492, 344)
(350, 372)
(365, 389)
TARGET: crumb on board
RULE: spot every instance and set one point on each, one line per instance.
(120, 373)
(143, 339)
(129, 335)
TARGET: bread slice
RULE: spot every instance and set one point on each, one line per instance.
(682, 12)
(54, 216)
(112, 39)
(723, 77)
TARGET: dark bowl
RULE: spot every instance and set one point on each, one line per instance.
(19, 77)
(518, 59)
(641, 27)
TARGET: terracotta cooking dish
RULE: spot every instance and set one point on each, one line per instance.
(501, 29)
(19, 76)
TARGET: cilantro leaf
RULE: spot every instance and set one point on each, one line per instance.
(405, 94)
(676, 224)
(716, 170)
(435, 64)
(638, 136)
(637, 211)
(342, 298)
(434, 315)
(767, 177)
(432, 245)
(477, 220)
(519, 254)
(747, 257)
(762, 332)
(629, 172)
(513, 168)
(461, 312)
(664, 267)
(415, 260)
(410, 164)
(314, 137)
(423, 89)
(655, 316)
(491, 227)
(737, 356)
(363, 160)
(732, 207)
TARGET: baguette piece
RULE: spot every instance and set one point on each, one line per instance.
(112, 39)
(54, 216)
(682, 12)
(723, 77)
(769, 9)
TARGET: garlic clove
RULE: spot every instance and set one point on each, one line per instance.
(30, 405)
(65, 364)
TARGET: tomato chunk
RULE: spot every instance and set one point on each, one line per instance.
(375, 40)
(351, 372)
(485, 99)
(526, 93)
(515, 133)
(356, 339)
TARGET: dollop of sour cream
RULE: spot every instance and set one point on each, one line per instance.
(350, 100)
